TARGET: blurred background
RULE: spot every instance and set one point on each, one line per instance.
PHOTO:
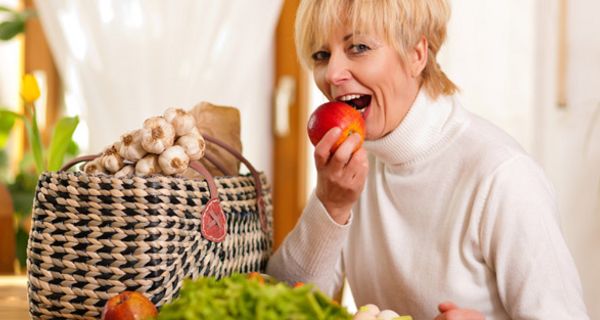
(531, 67)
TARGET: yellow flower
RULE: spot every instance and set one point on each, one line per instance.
(29, 89)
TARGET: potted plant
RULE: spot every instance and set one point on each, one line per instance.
(20, 187)
(38, 159)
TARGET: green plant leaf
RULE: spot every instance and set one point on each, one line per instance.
(21, 246)
(22, 193)
(6, 9)
(22, 202)
(4, 111)
(3, 159)
(11, 28)
(61, 137)
(72, 149)
(35, 142)
(27, 164)
(7, 121)
(25, 180)
(3, 166)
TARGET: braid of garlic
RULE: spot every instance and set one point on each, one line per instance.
(174, 160)
(193, 143)
(157, 135)
(111, 159)
(130, 147)
(147, 166)
(183, 122)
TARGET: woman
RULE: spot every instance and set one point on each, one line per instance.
(440, 215)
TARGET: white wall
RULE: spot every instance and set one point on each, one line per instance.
(571, 146)
(503, 54)
(489, 54)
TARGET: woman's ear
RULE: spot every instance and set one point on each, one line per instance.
(419, 57)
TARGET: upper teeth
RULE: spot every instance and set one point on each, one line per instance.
(349, 97)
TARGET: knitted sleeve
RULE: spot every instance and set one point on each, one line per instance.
(312, 252)
(522, 243)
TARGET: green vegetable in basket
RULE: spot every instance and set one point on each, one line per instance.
(238, 297)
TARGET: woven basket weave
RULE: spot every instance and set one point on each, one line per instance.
(94, 236)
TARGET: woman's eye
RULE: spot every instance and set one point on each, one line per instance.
(359, 48)
(320, 56)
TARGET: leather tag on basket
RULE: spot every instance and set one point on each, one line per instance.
(214, 222)
(222, 122)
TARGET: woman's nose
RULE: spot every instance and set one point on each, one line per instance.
(337, 69)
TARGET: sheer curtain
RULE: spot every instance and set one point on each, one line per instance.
(123, 61)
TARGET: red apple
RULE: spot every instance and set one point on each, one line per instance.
(129, 305)
(335, 114)
(256, 276)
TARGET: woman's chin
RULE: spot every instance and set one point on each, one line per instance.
(369, 136)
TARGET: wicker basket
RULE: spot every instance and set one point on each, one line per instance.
(94, 236)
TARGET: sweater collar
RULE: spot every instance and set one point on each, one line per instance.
(423, 127)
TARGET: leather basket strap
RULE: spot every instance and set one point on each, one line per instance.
(260, 202)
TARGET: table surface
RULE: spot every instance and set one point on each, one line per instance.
(13, 298)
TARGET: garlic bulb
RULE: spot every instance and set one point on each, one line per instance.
(193, 144)
(157, 135)
(127, 170)
(388, 315)
(94, 167)
(111, 159)
(130, 147)
(182, 121)
(363, 316)
(148, 165)
(174, 160)
(370, 309)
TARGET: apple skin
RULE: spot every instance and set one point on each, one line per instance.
(335, 114)
(129, 305)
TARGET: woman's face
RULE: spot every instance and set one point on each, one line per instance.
(367, 73)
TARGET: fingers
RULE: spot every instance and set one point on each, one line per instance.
(460, 314)
(446, 306)
(358, 166)
(323, 148)
(450, 311)
(341, 174)
(344, 153)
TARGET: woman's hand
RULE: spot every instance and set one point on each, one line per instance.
(341, 175)
(450, 311)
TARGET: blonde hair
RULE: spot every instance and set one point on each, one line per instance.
(402, 23)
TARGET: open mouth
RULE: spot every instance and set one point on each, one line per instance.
(356, 101)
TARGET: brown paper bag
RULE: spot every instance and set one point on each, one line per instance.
(223, 123)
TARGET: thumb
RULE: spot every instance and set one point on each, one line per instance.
(446, 306)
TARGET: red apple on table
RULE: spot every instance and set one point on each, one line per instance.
(129, 305)
(335, 114)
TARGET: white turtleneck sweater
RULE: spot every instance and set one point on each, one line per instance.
(453, 209)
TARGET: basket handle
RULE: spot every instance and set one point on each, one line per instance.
(214, 223)
(260, 202)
